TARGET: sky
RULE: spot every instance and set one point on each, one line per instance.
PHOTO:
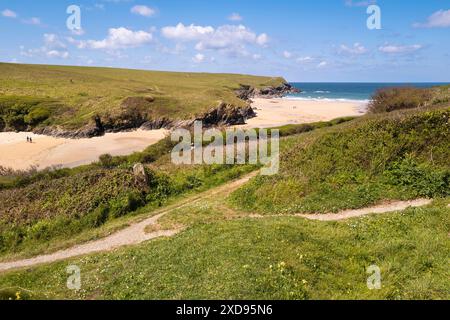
(304, 41)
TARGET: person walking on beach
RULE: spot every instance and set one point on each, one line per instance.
(28, 139)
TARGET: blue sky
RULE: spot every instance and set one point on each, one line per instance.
(321, 40)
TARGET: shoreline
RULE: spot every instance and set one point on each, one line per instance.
(48, 151)
(278, 112)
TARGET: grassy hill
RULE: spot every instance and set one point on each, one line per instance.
(223, 251)
(70, 97)
(400, 155)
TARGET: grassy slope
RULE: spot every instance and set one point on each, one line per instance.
(79, 93)
(96, 197)
(356, 164)
(273, 258)
(351, 165)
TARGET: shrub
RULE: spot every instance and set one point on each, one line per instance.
(422, 179)
(37, 115)
(99, 216)
(127, 203)
(106, 161)
(17, 112)
(391, 99)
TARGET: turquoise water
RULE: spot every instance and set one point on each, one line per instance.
(346, 91)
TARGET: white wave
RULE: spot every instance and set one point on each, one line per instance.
(309, 98)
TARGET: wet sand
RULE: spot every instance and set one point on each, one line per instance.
(46, 151)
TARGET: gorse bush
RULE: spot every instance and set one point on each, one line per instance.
(22, 113)
(401, 155)
(62, 203)
(391, 99)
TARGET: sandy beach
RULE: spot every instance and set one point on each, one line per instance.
(278, 112)
(46, 151)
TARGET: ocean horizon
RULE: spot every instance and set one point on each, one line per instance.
(348, 91)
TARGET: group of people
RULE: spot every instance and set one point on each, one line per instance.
(29, 139)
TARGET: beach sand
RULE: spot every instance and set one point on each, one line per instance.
(279, 112)
(46, 151)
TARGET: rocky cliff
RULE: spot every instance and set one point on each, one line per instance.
(246, 92)
(135, 116)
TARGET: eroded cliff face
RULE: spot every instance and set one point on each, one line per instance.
(135, 116)
(247, 92)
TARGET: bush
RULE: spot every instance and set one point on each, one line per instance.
(37, 114)
(391, 99)
(422, 179)
(403, 155)
(106, 161)
(127, 203)
(17, 113)
(99, 216)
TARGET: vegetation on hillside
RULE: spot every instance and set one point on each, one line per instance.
(398, 98)
(271, 258)
(70, 97)
(401, 155)
(342, 164)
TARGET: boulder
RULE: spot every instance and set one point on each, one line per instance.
(139, 174)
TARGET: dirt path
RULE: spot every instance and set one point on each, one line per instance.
(136, 233)
(131, 235)
(383, 208)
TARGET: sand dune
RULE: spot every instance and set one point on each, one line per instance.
(46, 151)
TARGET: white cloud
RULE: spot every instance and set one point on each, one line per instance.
(439, 19)
(198, 58)
(53, 48)
(57, 54)
(262, 39)
(143, 11)
(9, 13)
(34, 21)
(306, 59)
(235, 17)
(356, 49)
(118, 38)
(363, 3)
(287, 54)
(227, 38)
(322, 64)
(52, 41)
(186, 33)
(395, 49)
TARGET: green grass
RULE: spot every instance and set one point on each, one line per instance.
(46, 210)
(54, 210)
(401, 155)
(80, 93)
(272, 258)
(225, 254)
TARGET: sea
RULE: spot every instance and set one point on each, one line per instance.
(339, 91)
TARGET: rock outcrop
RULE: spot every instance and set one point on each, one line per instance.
(135, 114)
(226, 115)
(95, 129)
(246, 92)
(140, 175)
